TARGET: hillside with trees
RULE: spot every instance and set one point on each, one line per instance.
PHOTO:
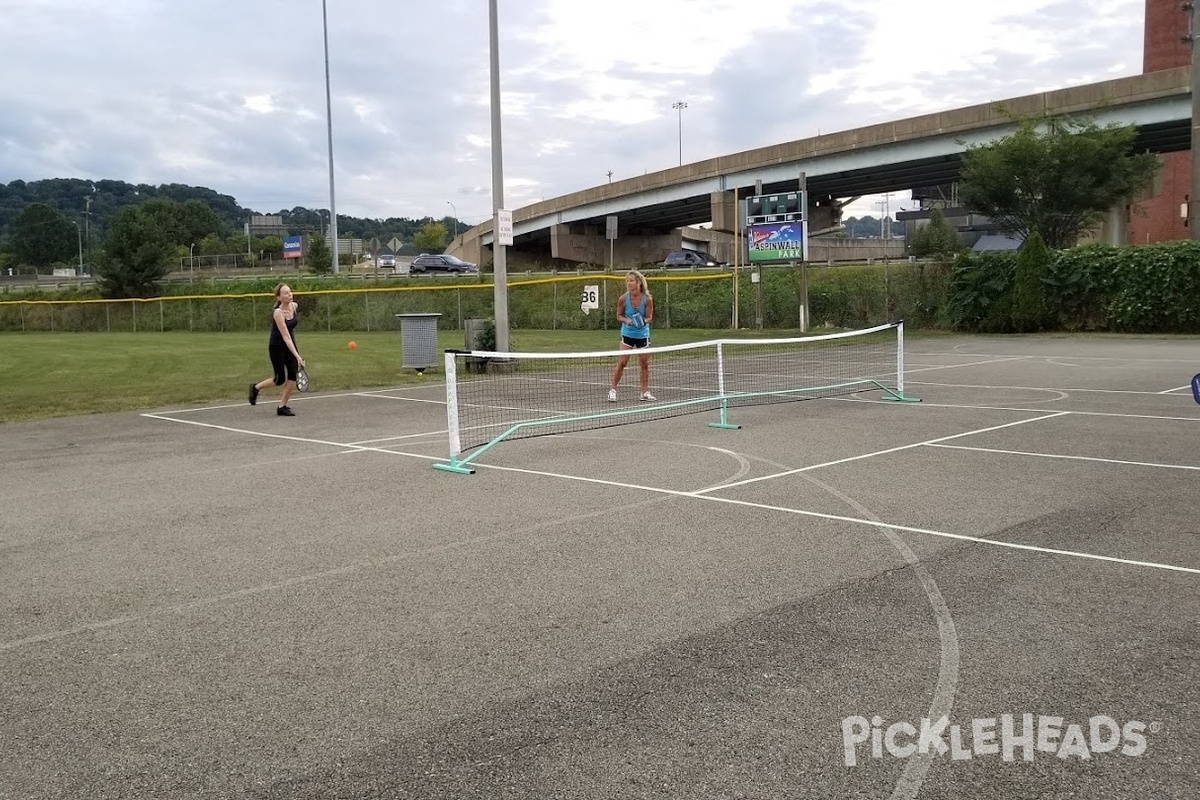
(94, 205)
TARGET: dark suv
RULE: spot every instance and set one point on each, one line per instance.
(428, 263)
(689, 258)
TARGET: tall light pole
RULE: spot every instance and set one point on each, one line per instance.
(499, 254)
(329, 129)
(455, 210)
(1194, 197)
(79, 236)
(679, 107)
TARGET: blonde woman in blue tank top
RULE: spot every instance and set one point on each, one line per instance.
(635, 311)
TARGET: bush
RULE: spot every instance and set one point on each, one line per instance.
(1029, 285)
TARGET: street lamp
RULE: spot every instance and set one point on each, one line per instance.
(455, 210)
(679, 107)
(329, 128)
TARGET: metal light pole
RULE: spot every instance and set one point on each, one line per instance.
(679, 107)
(455, 210)
(499, 254)
(1194, 197)
(329, 129)
(192, 260)
(79, 236)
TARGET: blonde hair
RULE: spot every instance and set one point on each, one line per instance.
(643, 287)
(278, 288)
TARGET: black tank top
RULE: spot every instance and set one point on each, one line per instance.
(276, 337)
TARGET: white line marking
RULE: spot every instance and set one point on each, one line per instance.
(851, 520)
(1066, 458)
(893, 450)
(1176, 389)
(1030, 388)
(909, 370)
(1125, 359)
(1014, 408)
(349, 448)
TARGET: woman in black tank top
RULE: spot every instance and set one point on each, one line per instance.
(285, 358)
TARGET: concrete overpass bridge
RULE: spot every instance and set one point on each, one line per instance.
(911, 153)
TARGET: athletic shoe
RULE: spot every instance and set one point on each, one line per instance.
(284, 411)
(253, 393)
(648, 396)
(612, 395)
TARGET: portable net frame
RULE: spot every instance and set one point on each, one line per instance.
(493, 397)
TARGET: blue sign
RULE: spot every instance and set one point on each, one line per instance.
(292, 247)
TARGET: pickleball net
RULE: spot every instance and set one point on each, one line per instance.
(494, 397)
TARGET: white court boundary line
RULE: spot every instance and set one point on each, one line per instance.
(349, 448)
(853, 520)
(704, 494)
(1064, 457)
(897, 449)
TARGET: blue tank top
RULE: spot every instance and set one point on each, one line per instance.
(276, 337)
(627, 329)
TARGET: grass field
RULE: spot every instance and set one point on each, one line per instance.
(63, 374)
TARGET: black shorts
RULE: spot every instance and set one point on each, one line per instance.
(635, 343)
(284, 363)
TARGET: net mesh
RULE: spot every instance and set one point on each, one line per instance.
(518, 395)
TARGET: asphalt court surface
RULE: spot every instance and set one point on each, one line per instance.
(220, 602)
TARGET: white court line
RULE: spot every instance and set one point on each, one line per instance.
(1065, 457)
(924, 404)
(301, 398)
(1032, 388)
(1176, 389)
(908, 369)
(917, 353)
(891, 450)
(853, 520)
(350, 448)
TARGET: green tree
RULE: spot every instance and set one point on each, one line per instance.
(1029, 310)
(137, 251)
(936, 238)
(320, 260)
(198, 220)
(41, 236)
(1055, 175)
(212, 245)
(431, 237)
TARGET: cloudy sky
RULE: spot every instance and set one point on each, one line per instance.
(231, 95)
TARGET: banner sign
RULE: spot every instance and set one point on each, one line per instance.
(292, 247)
(778, 241)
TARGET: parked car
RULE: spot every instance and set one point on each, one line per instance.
(689, 258)
(443, 263)
(387, 260)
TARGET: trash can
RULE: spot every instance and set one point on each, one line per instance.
(418, 341)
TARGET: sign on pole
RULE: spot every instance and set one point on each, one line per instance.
(610, 230)
(395, 244)
(591, 299)
(504, 227)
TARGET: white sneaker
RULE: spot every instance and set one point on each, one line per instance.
(648, 396)
(612, 395)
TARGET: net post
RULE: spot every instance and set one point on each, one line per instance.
(454, 464)
(724, 423)
(898, 395)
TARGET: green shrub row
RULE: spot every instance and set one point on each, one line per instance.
(1147, 289)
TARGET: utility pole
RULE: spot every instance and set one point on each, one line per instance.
(1194, 196)
(87, 224)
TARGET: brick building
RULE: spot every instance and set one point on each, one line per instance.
(1158, 219)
